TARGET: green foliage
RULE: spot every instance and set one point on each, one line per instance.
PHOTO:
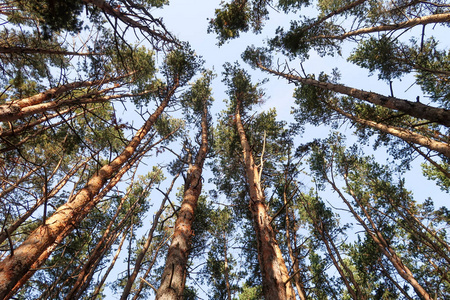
(56, 15)
(378, 54)
(251, 293)
(240, 88)
(432, 173)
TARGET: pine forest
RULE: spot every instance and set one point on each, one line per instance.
(225, 150)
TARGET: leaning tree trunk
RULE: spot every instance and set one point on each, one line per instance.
(273, 268)
(174, 275)
(415, 109)
(37, 247)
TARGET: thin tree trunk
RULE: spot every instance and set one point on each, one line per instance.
(296, 278)
(437, 18)
(141, 255)
(404, 134)
(116, 256)
(273, 268)
(174, 274)
(155, 256)
(8, 110)
(384, 247)
(66, 217)
(415, 109)
(226, 268)
(9, 231)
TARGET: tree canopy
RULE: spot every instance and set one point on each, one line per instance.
(324, 174)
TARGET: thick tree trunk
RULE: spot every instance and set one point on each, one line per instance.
(415, 109)
(30, 253)
(273, 268)
(174, 275)
(16, 113)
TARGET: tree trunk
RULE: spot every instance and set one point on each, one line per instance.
(174, 275)
(437, 18)
(296, 278)
(67, 216)
(382, 244)
(273, 268)
(144, 250)
(10, 109)
(404, 134)
(415, 109)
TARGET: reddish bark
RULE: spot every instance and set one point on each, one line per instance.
(273, 268)
(66, 217)
(9, 110)
(174, 275)
(415, 109)
(437, 18)
(404, 134)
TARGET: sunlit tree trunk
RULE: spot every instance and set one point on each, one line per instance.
(17, 109)
(415, 109)
(144, 250)
(174, 275)
(273, 268)
(31, 253)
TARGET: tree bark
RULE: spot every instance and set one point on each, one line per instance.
(144, 250)
(404, 134)
(437, 18)
(415, 109)
(67, 216)
(273, 268)
(380, 241)
(12, 108)
(174, 274)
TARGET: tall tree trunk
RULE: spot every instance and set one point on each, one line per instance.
(296, 278)
(174, 275)
(144, 250)
(415, 109)
(226, 268)
(105, 276)
(436, 18)
(30, 253)
(404, 134)
(380, 241)
(273, 268)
